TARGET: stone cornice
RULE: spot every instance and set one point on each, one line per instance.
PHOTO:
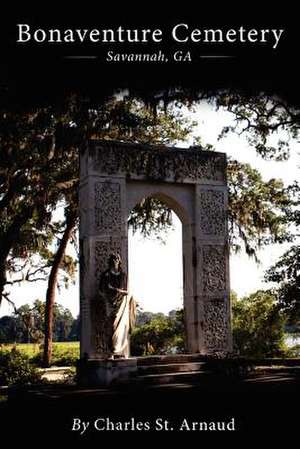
(157, 163)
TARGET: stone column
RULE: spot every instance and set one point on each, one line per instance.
(211, 293)
(103, 229)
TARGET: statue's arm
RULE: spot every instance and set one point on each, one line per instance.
(118, 290)
(123, 287)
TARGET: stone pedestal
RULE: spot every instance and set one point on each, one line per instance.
(104, 373)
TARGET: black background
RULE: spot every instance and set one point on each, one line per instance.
(40, 72)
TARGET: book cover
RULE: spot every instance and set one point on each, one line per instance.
(198, 112)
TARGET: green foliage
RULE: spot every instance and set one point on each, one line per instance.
(27, 324)
(257, 209)
(144, 317)
(150, 217)
(286, 272)
(63, 354)
(160, 335)
(35, 175)
(39, 171)
(293, 352)
(268, 123)
(28, 349)
(129, 120)
(15, 368)
(258, 325)
(7, 329)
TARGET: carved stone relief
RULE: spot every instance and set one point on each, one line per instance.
(214, 270)
(215, 325)
(212, 213)
(107, 207)
(163, 163)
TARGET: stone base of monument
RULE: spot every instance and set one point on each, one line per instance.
(105, 372)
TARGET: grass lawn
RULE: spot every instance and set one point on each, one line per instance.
(64, 353)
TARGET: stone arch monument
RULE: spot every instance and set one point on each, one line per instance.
(114, 177)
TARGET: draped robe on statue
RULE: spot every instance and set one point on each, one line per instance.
(116, 314)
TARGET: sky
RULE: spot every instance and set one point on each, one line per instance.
(156, 280)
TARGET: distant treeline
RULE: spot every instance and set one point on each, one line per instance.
(26, 324)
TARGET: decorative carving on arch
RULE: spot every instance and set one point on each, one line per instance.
(107, 207)
(212, 212)
(215, 325)
(214, 270)
(160, 164)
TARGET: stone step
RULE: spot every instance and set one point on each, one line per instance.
(171, 368)
(172, 378)
(170, 359)
(55, 373)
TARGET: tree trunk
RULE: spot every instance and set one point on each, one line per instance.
(2, 280)
(51, 289)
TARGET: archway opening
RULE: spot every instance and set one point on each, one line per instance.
(155, 273)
